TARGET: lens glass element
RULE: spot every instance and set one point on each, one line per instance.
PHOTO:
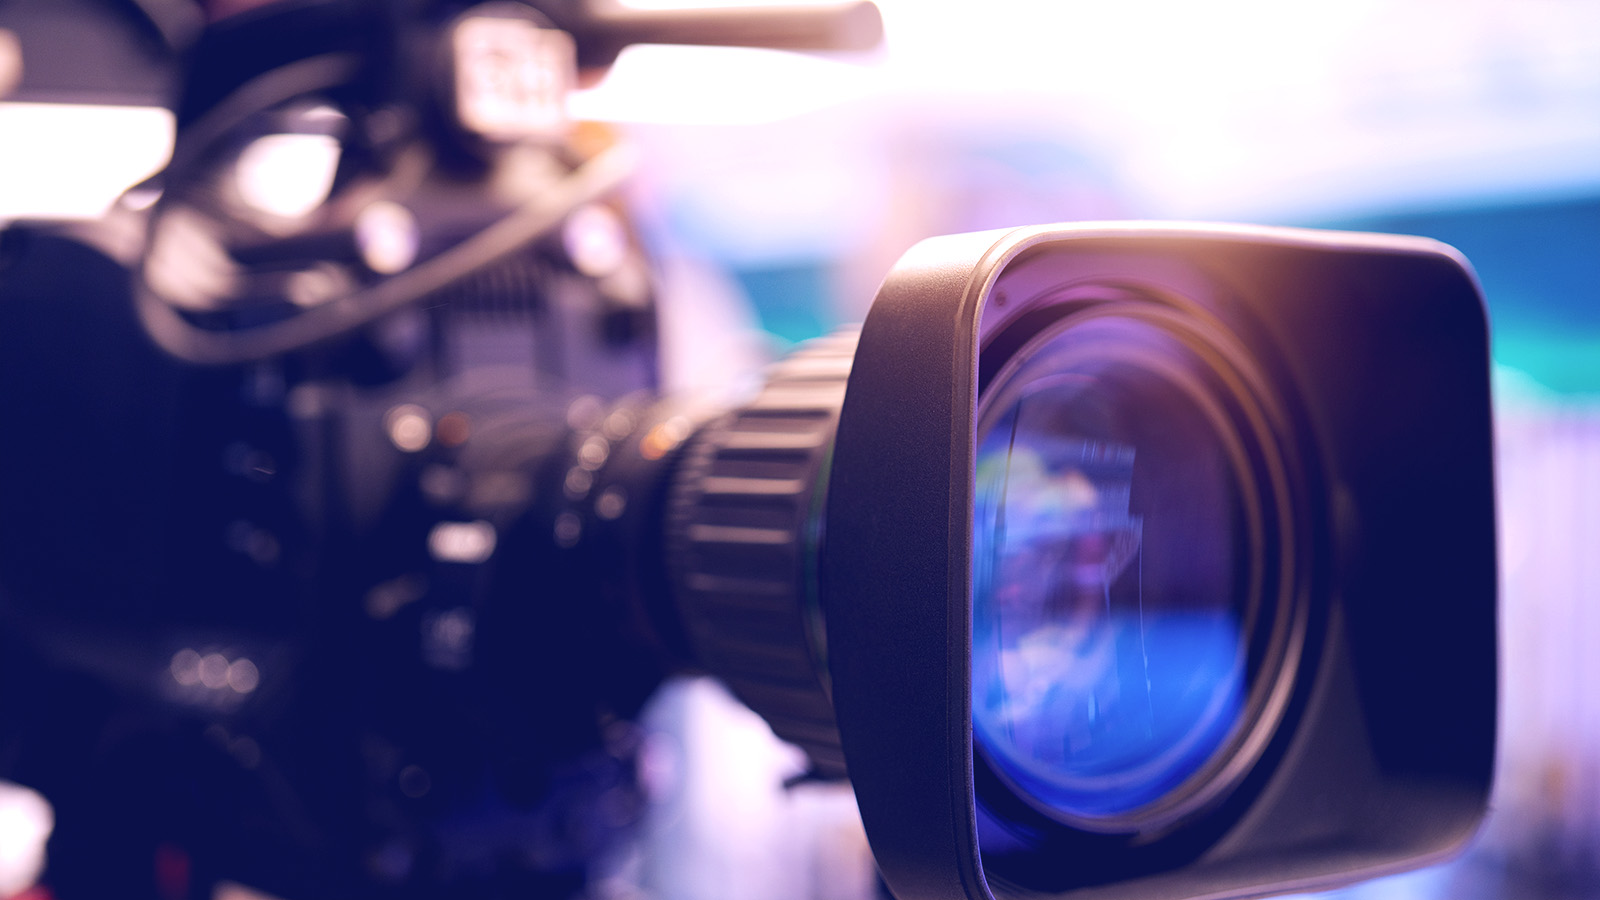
(1111, 613)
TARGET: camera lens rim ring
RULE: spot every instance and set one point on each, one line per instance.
(1247, 418)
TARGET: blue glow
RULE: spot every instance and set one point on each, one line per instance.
(1097, 687)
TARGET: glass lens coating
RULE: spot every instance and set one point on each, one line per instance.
(1111, 614)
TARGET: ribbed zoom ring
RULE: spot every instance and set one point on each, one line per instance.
(744, 528)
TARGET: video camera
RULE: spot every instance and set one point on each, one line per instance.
(345, 529)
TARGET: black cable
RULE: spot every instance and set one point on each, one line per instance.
(176, 335)
(259, 94)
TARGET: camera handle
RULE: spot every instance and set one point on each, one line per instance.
(603, 27)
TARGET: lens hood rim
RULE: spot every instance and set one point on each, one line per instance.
(896, 563)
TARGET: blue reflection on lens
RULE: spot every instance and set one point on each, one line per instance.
(1107, 654)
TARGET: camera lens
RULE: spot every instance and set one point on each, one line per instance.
(1127, 628)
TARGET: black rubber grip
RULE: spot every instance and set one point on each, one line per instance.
(746, 529)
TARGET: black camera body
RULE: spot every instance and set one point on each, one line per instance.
(341, 545)
(280, 517)
(254, 614)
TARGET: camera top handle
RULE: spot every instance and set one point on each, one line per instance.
(603, 27)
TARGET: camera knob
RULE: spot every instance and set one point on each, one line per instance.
(745, 533)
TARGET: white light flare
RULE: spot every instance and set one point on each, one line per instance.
(462, 542)
(409, 426)
(287, 175)
(26, 821)
(214, 671)
(71, 161)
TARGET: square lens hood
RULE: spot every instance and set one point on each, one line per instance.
(1372, 356)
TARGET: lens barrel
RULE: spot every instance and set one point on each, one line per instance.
(1133, 610)
(744, 534)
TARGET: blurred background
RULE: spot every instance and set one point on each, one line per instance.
(777, 190)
